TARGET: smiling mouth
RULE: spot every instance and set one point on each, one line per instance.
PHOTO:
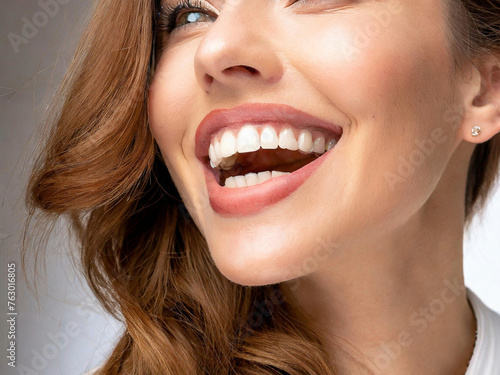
(256, 153)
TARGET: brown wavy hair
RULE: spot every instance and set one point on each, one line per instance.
(140, 252)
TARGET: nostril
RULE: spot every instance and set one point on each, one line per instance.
(242, 68)
(208, 79)
(249, 68)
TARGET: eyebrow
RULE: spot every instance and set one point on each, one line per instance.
(215, 3)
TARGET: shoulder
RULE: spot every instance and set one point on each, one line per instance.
(486, 356)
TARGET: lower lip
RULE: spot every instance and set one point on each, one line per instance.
(253, 199)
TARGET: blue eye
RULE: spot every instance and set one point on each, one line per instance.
(184, 13)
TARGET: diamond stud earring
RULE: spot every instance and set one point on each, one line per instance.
(476, 130)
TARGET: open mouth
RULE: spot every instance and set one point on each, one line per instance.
(254, 154)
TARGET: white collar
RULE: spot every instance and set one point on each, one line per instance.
(485, 359)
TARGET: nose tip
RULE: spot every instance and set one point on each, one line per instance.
(233, 54)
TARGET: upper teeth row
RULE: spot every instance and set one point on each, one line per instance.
(248, 139)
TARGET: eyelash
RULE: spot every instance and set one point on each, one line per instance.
(168, 14)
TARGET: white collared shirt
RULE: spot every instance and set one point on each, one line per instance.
(485, 359)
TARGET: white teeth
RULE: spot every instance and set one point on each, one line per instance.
(331, 144)
(268, 138)
(264, 176)
(240, 181)
(305, 141)
(230, 182)
(287, 140)
(227, 144)
(218, 153)
(251, 179)
(223, 153)
(211, 152)
(248, 139)
(319, 145)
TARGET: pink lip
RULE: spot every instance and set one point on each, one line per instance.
(249, 200)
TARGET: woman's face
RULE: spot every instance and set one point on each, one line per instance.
(377, 74)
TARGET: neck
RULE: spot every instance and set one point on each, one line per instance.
(395, 304)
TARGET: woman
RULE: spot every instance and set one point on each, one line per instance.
(281, 187)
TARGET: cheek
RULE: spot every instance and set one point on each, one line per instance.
(371, 65)
(167, 106)
(395, 86)
(172, 106)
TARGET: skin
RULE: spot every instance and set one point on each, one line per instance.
(362, 248)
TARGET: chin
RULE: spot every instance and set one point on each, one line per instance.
(247, 267)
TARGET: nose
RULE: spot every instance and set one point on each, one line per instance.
(237, 49)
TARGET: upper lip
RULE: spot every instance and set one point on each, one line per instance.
(255, 113)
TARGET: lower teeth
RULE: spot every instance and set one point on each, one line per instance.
(251, 179)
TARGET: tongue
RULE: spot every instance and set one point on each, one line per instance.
(269, 160)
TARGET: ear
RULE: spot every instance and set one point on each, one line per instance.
(482, 106)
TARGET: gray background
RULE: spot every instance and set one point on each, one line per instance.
(64, 332)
